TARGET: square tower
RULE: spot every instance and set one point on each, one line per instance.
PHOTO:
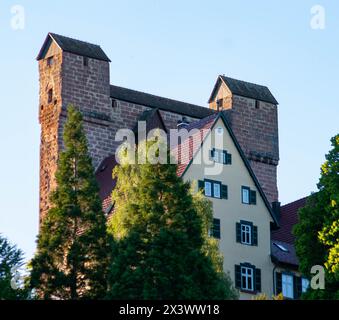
(252, 112)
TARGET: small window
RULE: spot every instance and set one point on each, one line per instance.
(220, 156)
(287, 286)
(281, 247)
(247, 279)
(114, 103)
(50, 61)
(85, 61)
(208, 189)
(215, 231)
(245, 191)
(246, 234)
(216, 190)
(50, 95)
(257, 104)
(305, 283)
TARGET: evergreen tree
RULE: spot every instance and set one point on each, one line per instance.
(162, 251)
(11, 260)
(317, 233)
(73, 247)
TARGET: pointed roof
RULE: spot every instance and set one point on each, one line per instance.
(244, 89)
(73, 46)
(205, 126)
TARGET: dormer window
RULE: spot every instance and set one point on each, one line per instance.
(50, 95)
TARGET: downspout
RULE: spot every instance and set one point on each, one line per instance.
(274, 287)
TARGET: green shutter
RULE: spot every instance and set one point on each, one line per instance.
(253, 197)
(278, 285)
(238, 232)
(258, 280)
(238, 276)
(228, 158)
(216, 229)
(201, 185)
(224, 192)
(254, 235)
(297, 287)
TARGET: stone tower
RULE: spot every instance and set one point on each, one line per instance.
(252, 113)
(71, 72)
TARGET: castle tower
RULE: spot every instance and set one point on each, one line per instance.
(252, 113)
(71, 72)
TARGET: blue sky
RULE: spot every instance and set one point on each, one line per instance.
(174, 49)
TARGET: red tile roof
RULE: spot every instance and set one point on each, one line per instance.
(186, 150)
(289, 217)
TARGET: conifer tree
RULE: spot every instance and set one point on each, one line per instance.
(11, 260)
(161, 248)
(317, 233)
(73, 246)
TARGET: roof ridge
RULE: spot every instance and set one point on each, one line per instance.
(295, 201)
(73, 39)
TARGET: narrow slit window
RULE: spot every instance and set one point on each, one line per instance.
(50, 95)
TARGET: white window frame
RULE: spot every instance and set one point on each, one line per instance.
(305, 283)
(246, 234)
(245, 189)
(210, 184)
(247, 273)
(287, 285)
(218, 193)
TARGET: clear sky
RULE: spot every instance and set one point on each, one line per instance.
(174, 49)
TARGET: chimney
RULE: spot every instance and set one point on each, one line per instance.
(276, 209)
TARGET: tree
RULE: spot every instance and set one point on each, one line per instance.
(162, 251)
(73, 246)
(11, 260)
(317, 233)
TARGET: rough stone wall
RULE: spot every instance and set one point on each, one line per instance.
(256, 128)
(49, 114)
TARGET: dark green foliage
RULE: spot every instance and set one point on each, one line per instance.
(317, 233)
(73, 245)
(11, 258)
(162, 248)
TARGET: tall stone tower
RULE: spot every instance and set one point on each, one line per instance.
(71, 72)
(252, 113)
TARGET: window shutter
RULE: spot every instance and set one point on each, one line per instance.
(216, 228)
(224, 192)
(201, 185)
(228, 158)
(258, 280)
(237, 276)
(238, 232)
(212, 152)
(254, 235)
(253, 197)
(278, 285)
(297, 287)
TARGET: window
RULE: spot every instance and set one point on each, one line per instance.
(248, 196)
(305, 283)
(50, 61)
(208, 189)
(214, 189)
(114, 103)
(85, 61)
(281, 247)
(50, 95)
(287, 286)
(245, 195)
(246, 233)
(215, 231)
(247, 276)
(221, 156)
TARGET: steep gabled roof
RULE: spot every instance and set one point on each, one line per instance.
(289, 218)
(161, 103)
(245, 89)
(208, 124)
(73, 46)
